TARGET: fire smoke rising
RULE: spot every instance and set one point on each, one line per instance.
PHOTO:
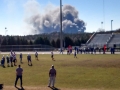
(50, 20)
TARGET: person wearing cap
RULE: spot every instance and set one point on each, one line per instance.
(52, 76)
(8, 60)
(29, 59)
(19, 72)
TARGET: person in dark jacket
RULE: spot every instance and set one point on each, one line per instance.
(8, 60)
(21, 58)
(29, 60)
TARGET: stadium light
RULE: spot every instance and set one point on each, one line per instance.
(111, 24)
(101, 25)
(6, 31)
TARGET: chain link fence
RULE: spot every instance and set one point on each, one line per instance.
(5, 48)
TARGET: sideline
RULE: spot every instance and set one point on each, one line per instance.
(42, 88)
(48, 52)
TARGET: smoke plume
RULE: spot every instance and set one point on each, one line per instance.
(49, 21)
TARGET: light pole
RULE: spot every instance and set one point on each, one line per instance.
(61, 40)
(6, 34)
(6, 31)
(102, 25)
(71, 29)
(111, 24)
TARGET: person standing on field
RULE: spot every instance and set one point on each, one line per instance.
(52, 55)
(36, 55)
(52, 76)
(19, 72)
(11, 60)
(8, 60)
(75, 56)
(29, 60)
(14, 59)
(20, 57)
(3, 62)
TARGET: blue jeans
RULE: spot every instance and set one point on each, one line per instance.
(17, 77)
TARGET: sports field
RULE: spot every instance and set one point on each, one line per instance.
(87, 72)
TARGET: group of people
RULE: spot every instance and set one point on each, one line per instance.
(12, 60)
(52, 71)
(52, 76)
(19, 71)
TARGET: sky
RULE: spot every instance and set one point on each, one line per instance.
(14, 12)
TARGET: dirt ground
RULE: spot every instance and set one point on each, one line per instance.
(40, 88)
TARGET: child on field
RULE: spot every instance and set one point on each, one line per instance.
(52, 55)
(75, 56)
(8, 60)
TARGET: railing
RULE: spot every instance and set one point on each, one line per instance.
(91, 38)
(110, 38)
(26, 48)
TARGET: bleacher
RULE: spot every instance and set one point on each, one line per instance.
(114, 40)
(99, 40)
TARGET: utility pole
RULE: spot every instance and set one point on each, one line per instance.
(61, 38)
(102, 25)
(111, 24)
(6, 31)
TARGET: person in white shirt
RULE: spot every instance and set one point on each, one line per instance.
(14, 59)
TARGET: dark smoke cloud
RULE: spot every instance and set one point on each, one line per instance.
(50, 21)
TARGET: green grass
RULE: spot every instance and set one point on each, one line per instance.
(87, 71)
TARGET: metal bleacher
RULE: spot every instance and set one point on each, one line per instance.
(115, 39)
(99, 40)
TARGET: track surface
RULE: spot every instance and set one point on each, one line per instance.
(48, 52)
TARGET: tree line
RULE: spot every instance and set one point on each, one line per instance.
(20, 40)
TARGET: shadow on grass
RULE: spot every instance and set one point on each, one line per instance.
(36, 59)
(30, 65)
(54, 88)
(20, 88)
(3, 66)
(1, 86)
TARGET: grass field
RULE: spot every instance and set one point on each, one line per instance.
(87, 72)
